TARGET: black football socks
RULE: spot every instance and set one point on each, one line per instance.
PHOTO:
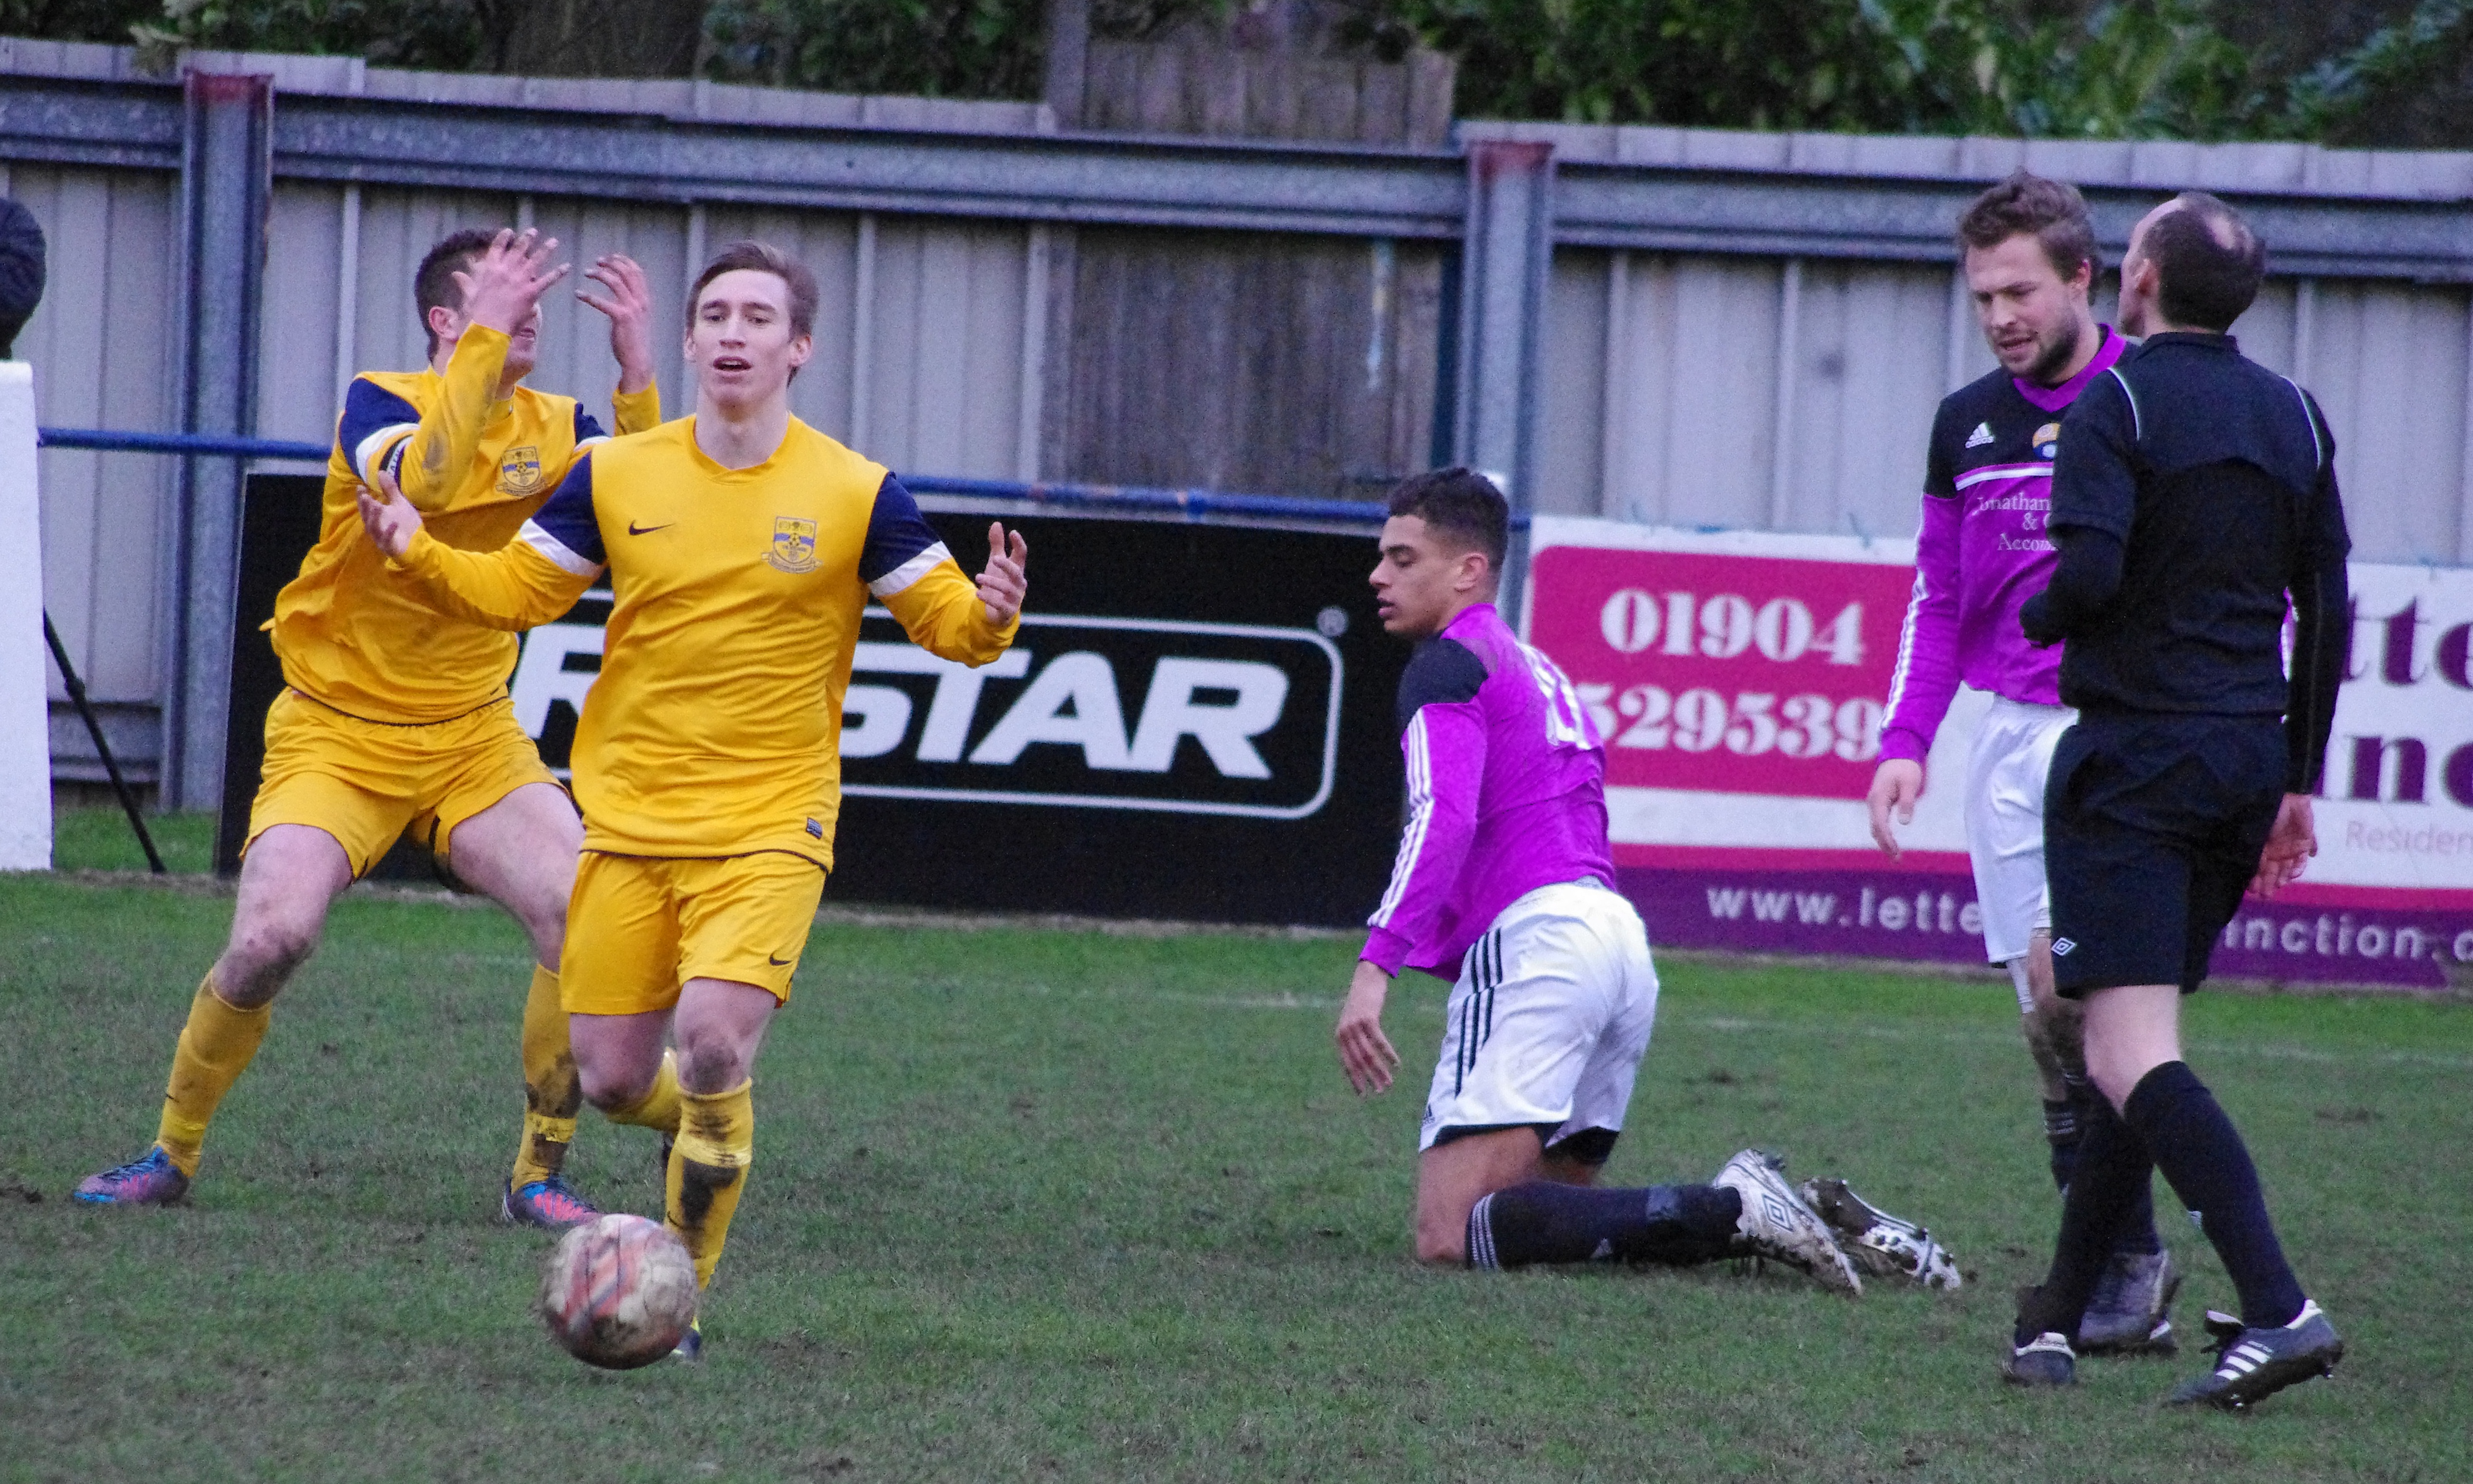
(2209, 1167)
(2064, 1130)
(1546, 1222)
(2113, 1168)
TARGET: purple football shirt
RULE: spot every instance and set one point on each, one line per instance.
(1982, 552)
(1507, 792)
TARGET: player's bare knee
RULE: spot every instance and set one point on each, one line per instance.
(264, 950)
(611, 1087)
(548, 932)
(1442, 1244)
(710, 1062)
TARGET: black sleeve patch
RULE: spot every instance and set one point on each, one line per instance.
(1442, 672)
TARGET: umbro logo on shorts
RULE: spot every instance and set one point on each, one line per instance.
(2061, 946)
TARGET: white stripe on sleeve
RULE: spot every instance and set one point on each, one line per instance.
(1905, 648)
(558, 551)
(1420, 815)
(365, 457)
(910, 571)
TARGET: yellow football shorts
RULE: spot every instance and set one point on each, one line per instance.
(367, 783)
(639, 927)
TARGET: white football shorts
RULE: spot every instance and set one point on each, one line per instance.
(1549, 1019)
(2005, 820)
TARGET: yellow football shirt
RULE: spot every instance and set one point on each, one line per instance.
(357, 636)
(715, 725)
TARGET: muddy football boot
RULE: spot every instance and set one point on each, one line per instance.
(2131, 1310)
(1882, 1245)
(1776, 1223)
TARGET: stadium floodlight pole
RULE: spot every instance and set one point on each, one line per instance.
(103, 749)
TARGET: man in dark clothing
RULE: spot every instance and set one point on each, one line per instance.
(21, 272)
(2194, 494)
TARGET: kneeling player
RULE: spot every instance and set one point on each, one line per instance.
(1504, 869)
(397, 719)
(743, 544)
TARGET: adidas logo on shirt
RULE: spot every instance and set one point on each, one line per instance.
(1982, 435)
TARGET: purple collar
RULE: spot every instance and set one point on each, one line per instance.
(2058, 398)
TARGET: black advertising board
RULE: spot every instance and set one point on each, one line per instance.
(1196, 722)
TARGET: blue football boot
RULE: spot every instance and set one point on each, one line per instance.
(551, 1205)
(151, 1178)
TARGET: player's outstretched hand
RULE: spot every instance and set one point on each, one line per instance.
(1365, 1053)
(388, 516)
(2290, 845)
(504, 283)
(1896, 784)
(1002, 585)
(629, 304)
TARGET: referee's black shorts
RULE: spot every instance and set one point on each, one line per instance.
(2152, 829)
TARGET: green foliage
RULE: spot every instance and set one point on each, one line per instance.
(435, 34)
(2111, 70)
(2040, 69)
(944, 48)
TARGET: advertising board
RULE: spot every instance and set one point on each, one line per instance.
(1739, 679)
(1196, 722)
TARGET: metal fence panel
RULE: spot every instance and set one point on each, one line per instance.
(1795, 394)
(101, 347)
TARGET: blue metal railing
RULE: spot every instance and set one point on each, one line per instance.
(1192, 504)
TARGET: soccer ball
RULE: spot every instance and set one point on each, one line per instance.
(618, 1292)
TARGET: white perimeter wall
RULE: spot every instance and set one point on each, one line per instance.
(25, 750)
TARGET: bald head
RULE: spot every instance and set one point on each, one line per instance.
(2192, 263)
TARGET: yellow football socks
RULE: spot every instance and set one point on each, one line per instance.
(708, 1169)
(215, 1047)
(552, 1091)
(658, 1108)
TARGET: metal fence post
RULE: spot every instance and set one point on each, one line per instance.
(1508, 250)
(226, 179)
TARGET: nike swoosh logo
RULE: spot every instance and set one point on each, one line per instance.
(633, 529)
(776, 962)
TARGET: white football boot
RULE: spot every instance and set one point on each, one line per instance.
(1777, 1223)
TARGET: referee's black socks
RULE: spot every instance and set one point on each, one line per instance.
(1544, 1221)
(2174, 1125)
(2065, 1124)
(2208, 1165)
(2113, 1167)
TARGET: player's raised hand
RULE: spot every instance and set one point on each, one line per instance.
(1896, 784)
(2290, 845)
(1365, 1053)
(629, 304)
(505, 282)
(388, 516)
(1002, 583)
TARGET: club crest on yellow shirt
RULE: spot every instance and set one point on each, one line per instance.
(794, 544)
(520, 472)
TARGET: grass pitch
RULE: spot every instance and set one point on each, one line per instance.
(1057, 1204)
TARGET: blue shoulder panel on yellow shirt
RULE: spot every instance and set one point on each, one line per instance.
(569, 517)
(370, 412)
(896, 536)
(586, 426)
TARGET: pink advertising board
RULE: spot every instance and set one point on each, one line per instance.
(1737, 679)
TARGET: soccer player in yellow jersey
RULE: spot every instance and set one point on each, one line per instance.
(395, 717)
(741, 545)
